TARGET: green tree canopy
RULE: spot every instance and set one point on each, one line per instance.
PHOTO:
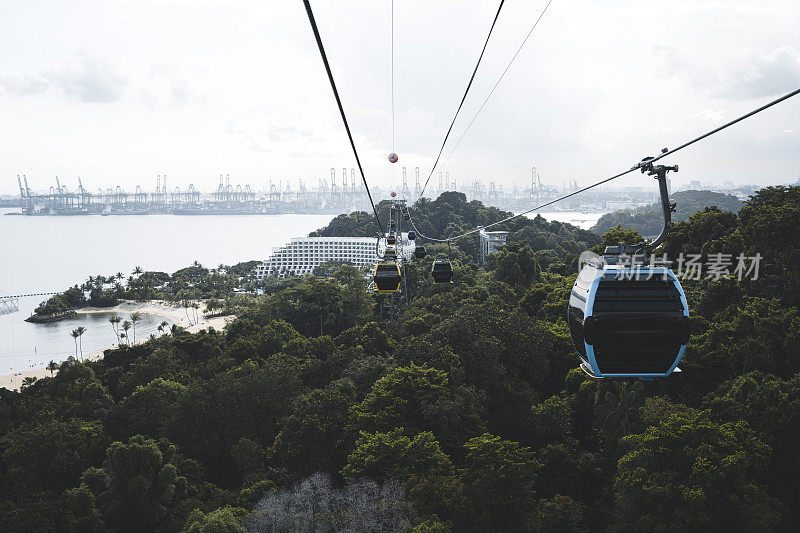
(691, 474)
(394, 455)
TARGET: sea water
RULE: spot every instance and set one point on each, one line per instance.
(47, 254)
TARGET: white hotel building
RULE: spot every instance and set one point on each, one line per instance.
(303, 254)
(491, 242)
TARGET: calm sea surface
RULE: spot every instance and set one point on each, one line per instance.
(576, 218)
(44, 254)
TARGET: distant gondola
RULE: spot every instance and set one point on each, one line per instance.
(442, 271)
(387, 277)
(412, 235)
(419, 251)
(390, 253)
(391, 239)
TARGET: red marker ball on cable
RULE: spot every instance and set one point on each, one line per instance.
(393, 157)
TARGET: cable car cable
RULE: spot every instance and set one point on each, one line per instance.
(525, 40)
(638, 166)
(393, 151)
(469, 85)
(341, 108)
(392, 91)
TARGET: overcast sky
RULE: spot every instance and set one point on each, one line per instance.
(117, 92)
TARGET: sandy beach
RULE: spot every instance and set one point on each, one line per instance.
(174, 314)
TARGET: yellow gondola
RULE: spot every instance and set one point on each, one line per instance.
(387, 277)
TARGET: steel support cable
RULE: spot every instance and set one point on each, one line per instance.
(392, 88)
(419, 233)
(471, 122)
(632, 169)
(341, 108)
(393, 76)
(469, 85)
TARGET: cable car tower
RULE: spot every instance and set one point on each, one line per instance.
(9, 305)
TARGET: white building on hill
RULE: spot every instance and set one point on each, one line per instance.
(302, 254)
(491, 241)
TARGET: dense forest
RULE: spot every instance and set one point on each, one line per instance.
(313, 411)
(648, 220)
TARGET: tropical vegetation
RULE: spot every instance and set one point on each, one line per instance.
(318, 409)
(648, 220)
(187, 285)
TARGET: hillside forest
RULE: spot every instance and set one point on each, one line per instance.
(465, 412)
(648, 220)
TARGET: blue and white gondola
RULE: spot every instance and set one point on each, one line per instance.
(628, 321)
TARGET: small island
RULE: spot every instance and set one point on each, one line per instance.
(59, 307)
(216, 287)
(46, 318)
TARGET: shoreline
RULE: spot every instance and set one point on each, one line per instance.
(174, 313)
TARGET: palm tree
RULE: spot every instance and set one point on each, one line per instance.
(126, 326)
(195, 307)
(115, 320)
(81, 330)
(137, 270)
(52, 366)
(185, 304)
(616, 413)
(27, 382)
(75, 336)
(162, 328)
(135, 317)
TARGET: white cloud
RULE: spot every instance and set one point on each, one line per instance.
(97, 80)
(165, 86)
(760, 74)
(766, 74)
(94, 80)
(24, 85)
